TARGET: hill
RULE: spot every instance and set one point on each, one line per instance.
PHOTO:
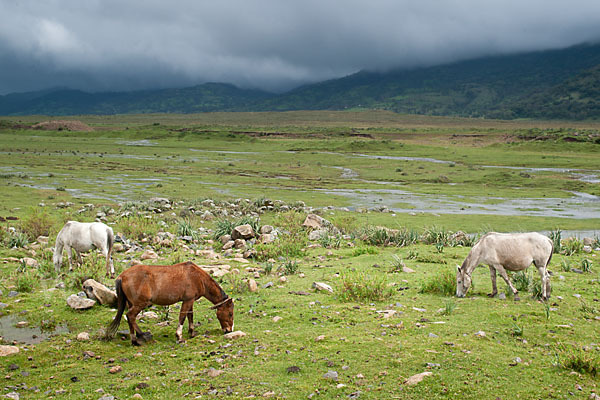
(546, 84)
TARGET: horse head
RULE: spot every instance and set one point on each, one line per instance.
(463, 281)
(225, 314)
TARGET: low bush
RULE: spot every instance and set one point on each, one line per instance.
(555, 236)
(442, 283)
(572, 358)
(571, 246)
(37, 223)
(359, 251)
(358, 286)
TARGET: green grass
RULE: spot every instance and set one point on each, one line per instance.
(358, 341)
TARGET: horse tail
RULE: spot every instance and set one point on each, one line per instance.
(110, 241)
(121, 303)
(551, 252)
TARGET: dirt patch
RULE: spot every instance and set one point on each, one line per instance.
(63, 125)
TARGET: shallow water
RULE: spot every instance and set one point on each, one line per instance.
(27, 335)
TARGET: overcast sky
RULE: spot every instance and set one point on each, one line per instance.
(100, 45)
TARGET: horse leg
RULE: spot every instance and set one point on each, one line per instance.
(79, 259)
(545, 281)
(186, 309)
(190, 317)
(504, 276)
(109, 264)
(69, 255)
(133, 326)
(494, 287)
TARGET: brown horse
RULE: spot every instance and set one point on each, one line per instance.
(142, 285)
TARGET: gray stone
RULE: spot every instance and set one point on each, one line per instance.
(242, 232)
(228, 245)
(225, 239)
(502, 296)
(13, 293)
(266, 229)
(331, 375)
(97, 291)
(320, 286)
(79, 303)
(315, 222)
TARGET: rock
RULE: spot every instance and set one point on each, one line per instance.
(266, 229)
(228, 245)
(149, 254)
(12, 395)
(320, 338)
(137, 395)
(277, 318)
(225, 239)
(587, 249)
(213, 373)
(239, 244)
(320, 286)
(209, 254)
(413, 380)
(293, 369)
(315, 222)
(135, 262)
(268, 285)
(107, 397)
(387, 313)
(79, 303)
(283, 279)
(21, 324)
(13, 293)
(118, 247)
(97, 291)
(115, 369)
(588, 241)
(480, 334)
(266, 238)
(234, 335)
(242, 232)
(408, 270)
(333, 375)
(8, 350)
(30, 262)
(83, 336)
(252, 286)
(150, 315)
(160, 201)
(502, 296)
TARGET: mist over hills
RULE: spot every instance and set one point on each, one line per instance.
(561, 84)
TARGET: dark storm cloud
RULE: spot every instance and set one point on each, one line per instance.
(275, 45)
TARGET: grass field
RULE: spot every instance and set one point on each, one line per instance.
(427, 176)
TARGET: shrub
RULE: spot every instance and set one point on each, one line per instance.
(290, 267)
(330, 241)
(572, 246)
(93, 267)
(586, 265)
(223, 227)
(26, 281)
(357, 286)
(38, 223)
(359, 251)
(521, 281)
(555, 236)
(18, 239)
(435, 235)
(442, 283)
(236, 284)
(382, 236)
(449, 308)
(397, 264)
(576, 359)
(565, 265)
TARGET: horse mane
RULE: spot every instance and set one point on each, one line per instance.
(224, 295)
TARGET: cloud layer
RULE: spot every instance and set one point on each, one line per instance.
(271, 44)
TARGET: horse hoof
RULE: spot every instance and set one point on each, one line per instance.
(135, 343)
(193, 334)
(180, 341)
(491, 295)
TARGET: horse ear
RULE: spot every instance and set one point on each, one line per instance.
(458, 268)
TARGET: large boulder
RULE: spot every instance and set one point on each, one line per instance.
(97, 291)
(242, 232)
(149, 254)
(79, 303)
(315, 222)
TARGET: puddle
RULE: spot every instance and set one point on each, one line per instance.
(347, 172)
(580, 206)
(27, 335)
(143, 142)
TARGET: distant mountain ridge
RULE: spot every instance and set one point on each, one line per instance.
(545, 84)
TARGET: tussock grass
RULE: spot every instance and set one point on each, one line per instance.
(360, 286)
(443, 282)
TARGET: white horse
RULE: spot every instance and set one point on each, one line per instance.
(507, 251)
(83, 237)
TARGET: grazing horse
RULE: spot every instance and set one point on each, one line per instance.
(507, 251)
(83, 237)
(143, 285)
